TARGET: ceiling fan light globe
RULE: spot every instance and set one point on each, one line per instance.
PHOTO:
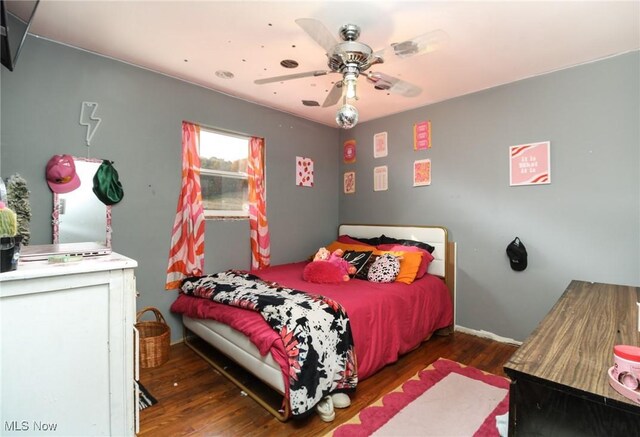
(347, 116)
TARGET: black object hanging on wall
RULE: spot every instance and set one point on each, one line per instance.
(517, 254)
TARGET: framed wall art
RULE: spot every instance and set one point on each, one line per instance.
(380, 178)
(530, 164)
(350, 182)
(304, 171)
(349, 152)
(421, 172)
(380, 149)
(422, 135)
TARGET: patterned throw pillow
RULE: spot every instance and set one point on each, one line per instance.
(364, 271)
(384, 269)
(357, 259)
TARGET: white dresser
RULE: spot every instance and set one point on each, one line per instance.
(67, 345)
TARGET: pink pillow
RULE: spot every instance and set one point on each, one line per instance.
(323, 272)
(426, 256)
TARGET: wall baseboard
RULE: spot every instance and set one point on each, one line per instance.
(486, 334)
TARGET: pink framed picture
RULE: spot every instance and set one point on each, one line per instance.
(530, 164)
(422, 173)
(304, 171)
(349, 152)
(380, 145)
(422, 135)
(350, 182)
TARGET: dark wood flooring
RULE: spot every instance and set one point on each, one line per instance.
(195, 400)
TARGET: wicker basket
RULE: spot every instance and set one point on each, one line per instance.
(154, 339)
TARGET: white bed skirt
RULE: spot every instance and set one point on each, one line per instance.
(239, 348)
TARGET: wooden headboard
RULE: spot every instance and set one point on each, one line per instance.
(444, 263)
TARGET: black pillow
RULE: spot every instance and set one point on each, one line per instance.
(357, 259)
(370, 241)
(390, 240)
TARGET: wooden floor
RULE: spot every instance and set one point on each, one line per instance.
(194, 400)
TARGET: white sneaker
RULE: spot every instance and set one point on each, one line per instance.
(325, 410)
(340, 400)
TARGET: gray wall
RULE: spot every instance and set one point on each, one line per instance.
(584, 225)
(141, 116)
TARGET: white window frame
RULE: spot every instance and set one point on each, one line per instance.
(213, 214)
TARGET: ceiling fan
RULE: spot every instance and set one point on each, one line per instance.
(352, 58)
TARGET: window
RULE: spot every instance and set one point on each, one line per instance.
(223, 174)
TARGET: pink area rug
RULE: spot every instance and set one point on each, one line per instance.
(445, 399)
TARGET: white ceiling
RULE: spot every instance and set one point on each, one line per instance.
(490, 43)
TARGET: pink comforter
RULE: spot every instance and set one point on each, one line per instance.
(387, 320)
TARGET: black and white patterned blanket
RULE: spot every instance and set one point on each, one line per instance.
(315, 331)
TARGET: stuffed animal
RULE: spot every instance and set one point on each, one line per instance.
(328, 268)
(336, 258)
(322, 254)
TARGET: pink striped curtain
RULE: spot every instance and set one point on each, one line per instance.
(186, 256)
(260, 242)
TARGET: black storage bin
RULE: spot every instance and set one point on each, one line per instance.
(9, 253)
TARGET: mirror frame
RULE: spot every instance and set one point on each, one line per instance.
(56, 211)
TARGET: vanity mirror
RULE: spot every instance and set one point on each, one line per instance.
(79, 216)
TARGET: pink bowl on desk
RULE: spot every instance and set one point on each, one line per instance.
(626, 365)
(622, 389)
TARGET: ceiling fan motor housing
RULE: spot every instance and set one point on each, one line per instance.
(354, 54)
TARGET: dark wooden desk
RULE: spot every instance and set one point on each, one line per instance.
(560, 385)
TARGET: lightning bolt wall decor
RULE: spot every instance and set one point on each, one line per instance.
(89, 119)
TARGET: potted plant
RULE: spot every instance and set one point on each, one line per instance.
(9, 239)
(18, 201)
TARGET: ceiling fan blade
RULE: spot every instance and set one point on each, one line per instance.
(334, 95)
(291, 76)
(425, 43)
(320, 34)
(392, 84)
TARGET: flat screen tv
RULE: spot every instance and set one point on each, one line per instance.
(15, 17)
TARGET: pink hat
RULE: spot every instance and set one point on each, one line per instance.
(61, 174)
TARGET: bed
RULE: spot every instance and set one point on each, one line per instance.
(423, 308)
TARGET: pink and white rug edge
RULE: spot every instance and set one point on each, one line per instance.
(378, 418)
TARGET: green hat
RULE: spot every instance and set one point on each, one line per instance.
(106, 185)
